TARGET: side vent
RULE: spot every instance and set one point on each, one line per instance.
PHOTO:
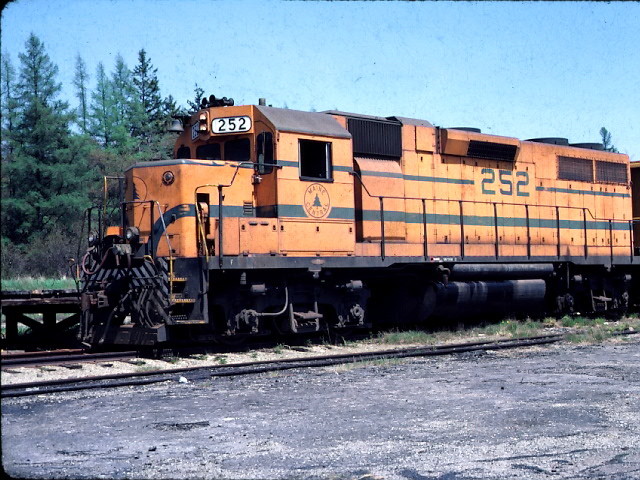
(247, 209)
(492, 151)
(375, 138)
(610, 172)
(577, 169)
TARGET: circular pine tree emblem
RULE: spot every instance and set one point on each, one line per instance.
(316, 201)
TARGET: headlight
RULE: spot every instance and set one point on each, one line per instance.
(168, 177)
(132, 234)
(92, 238)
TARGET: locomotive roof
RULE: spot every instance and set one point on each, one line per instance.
(401, 120)
(312, 123)
(413, 121)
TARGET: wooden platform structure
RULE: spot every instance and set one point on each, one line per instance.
(59, 310)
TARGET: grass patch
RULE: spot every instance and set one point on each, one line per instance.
(38, 283)
(568, 321)
(221, 359)
(506, 328)
(512, 328)
(402, 338)
(278, 349)
(589, 335)
(578, 329)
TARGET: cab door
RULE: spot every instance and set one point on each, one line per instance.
(265, 189)
(259, 230)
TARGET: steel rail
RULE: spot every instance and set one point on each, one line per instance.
(43, 353)
(248, 368)
(265, 366)
(61, 359)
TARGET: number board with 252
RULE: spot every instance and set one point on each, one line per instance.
(231, 125)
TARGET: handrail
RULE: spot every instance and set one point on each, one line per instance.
(105, 187)
(585, 210)
(150, 243)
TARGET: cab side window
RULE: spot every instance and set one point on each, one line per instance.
(237, 150)
(265, 153)
(315, 160)
(210, 151)
(183, 152)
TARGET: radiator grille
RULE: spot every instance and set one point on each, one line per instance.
(373, 138)
(577, 169)
(492, 151)
(609, 172)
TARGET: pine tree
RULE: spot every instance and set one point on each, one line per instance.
(123, 90)
(80, 82)
(122, 95)
(9, 121)
(149, 115)
(47, 172)
(606, 141)
(194, 105)
(9, 100)
(103, 111)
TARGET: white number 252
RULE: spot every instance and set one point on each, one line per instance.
(231, 124)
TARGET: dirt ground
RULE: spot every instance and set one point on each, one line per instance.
(559, 411)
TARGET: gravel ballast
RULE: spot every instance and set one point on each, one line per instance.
(559, 411)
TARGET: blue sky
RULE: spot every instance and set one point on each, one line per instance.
(537, 69)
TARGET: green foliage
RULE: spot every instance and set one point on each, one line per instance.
(408, 337)
(568, 321)
(47, 174)
(148, 113)
(221, 359)
(606, 141)
(122, 91)
(80, 80)
(194, 105)
(9, 100)
(47, 256)
(38, 283)
(51, 174)
(103, 121)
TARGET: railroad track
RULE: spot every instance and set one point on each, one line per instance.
(43, 353)
(248, 368)
(61, 357)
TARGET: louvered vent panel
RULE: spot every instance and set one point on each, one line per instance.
(578, 169)
(375, 138)
(609, 172)
(492, 151)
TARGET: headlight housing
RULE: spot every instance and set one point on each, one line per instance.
(132, 234)
(92, 238)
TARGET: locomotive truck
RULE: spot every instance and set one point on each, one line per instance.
(276, 220)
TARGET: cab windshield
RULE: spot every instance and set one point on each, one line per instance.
(236, 150)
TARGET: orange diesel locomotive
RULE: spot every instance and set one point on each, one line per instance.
(271, 219)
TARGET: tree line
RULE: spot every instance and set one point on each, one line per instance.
(54, 156)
